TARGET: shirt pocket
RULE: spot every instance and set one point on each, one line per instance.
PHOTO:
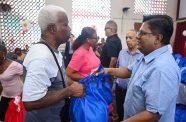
(138, 92)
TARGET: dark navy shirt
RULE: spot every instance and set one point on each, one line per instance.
(110, 49)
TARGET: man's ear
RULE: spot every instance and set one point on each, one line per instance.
(159, 39)
(52, 28)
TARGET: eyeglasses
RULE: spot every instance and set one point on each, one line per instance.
(97, 38)
(107, 28)
(141, 33)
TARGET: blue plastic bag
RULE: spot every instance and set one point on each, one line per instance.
(181, 61)
(94, 107)
(183, 75)
(180, 114)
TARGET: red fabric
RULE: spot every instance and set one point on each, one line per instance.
(110, 108)
(110, 112)
(178, 47)
(13, 114)
(184, 50)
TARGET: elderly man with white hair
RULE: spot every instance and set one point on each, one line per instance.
(43, 92)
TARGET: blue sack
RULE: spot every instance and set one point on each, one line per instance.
(94, 106)
(183, 75)
(180, 60)
(180, 114)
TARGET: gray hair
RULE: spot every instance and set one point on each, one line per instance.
(48, 15)
(134, 30)
(113, 25)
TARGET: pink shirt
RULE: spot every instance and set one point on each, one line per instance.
(11, 80)
(84, 61)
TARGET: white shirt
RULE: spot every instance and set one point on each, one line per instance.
(41, 71)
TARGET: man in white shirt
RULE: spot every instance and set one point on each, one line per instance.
(43, 92)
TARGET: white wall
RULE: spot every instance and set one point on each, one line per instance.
(182, 9)
(124, 24)
(66, 4)
(125, 20)
(129, 18)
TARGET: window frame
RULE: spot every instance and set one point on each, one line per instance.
(178, 11)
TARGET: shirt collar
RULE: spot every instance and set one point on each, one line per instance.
(148, 58)
(137, 52)
(115, 35)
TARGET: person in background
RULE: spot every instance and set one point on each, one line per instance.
(43, 92)
(154, 83)
(84, 61)
(110, 52)
(103, 41)
(20, 55)
(112, 46)
(126, 57)
(10, 81)
(99, 47)
(68, 50)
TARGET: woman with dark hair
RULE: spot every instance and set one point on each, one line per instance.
(93, 107)
(84, 61)
(10, 81)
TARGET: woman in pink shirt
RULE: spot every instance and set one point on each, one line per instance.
(84, 61)
(10, 81)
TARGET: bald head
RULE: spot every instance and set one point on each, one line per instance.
(131, 40)
(48, 15)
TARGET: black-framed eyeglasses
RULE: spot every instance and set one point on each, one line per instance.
(97, 38)
(141, 33)
(107, 28)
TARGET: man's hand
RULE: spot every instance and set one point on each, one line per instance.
(76, 89)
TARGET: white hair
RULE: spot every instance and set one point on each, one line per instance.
(48, 15)
(113, 25)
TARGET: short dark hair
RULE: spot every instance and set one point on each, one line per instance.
(86, 32)
(160, 24)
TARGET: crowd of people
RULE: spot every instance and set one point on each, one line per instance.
(145, 76)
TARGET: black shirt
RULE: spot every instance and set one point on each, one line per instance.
(110, 49)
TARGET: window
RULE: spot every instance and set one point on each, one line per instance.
(93, 13)
(150, 7)
(19, 26)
